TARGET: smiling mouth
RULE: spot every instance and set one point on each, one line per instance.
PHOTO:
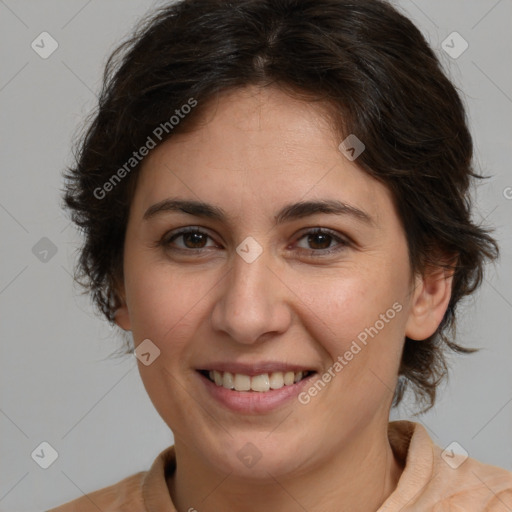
(259, 383)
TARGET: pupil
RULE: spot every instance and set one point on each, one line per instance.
(317, 236)
(195, 237)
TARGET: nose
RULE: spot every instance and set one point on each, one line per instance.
(253, 301)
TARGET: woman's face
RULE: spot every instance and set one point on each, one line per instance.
(258, 293)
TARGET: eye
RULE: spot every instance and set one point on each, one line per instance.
(192, 238)
(319, 241)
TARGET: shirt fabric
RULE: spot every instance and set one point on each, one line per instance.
(431, 481)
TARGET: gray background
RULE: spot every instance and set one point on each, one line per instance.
(58, 383)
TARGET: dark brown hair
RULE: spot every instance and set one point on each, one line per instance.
(365, 59)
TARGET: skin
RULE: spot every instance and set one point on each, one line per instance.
(257, 150)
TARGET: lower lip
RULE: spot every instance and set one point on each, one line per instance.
(254, 402)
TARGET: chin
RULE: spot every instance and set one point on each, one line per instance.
(258, 457)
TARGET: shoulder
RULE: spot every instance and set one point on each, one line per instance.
(440, 480)
(124, 496)
(467, 484)
(135, 493)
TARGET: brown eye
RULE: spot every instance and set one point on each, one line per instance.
(192, 239)
(320, 241)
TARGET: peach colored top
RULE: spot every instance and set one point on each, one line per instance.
(431, 481)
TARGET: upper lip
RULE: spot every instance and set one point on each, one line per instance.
(258, 368)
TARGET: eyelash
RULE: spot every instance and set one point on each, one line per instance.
(168, 238)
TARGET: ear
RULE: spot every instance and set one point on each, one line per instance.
(122, 314)
(430, 300)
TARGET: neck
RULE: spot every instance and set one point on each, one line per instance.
(357, 478)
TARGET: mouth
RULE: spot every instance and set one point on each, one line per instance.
(259, 383)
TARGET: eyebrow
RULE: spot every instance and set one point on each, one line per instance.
(287, 213)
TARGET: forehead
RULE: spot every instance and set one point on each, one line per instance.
(257, 148)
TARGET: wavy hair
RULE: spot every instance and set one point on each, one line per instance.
(363, 58)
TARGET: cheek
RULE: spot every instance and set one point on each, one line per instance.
(164, 307)
(358, 316)
(359, 323)
(164, 304)
(349, 306)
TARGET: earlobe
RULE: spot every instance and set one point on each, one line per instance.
(122, 314)
(122, 317)
(430, 301)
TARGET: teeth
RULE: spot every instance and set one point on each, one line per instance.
(242, 382)
(260, 383)
(217, 377)
(289, 378)
(276, 380)
(228, 381)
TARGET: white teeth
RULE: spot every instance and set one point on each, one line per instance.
(261, 383)
(276, 380)
(242, 382)
(289, 378)
(228, 381)
(217, 377)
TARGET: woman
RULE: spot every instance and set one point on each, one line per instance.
(274, 196)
